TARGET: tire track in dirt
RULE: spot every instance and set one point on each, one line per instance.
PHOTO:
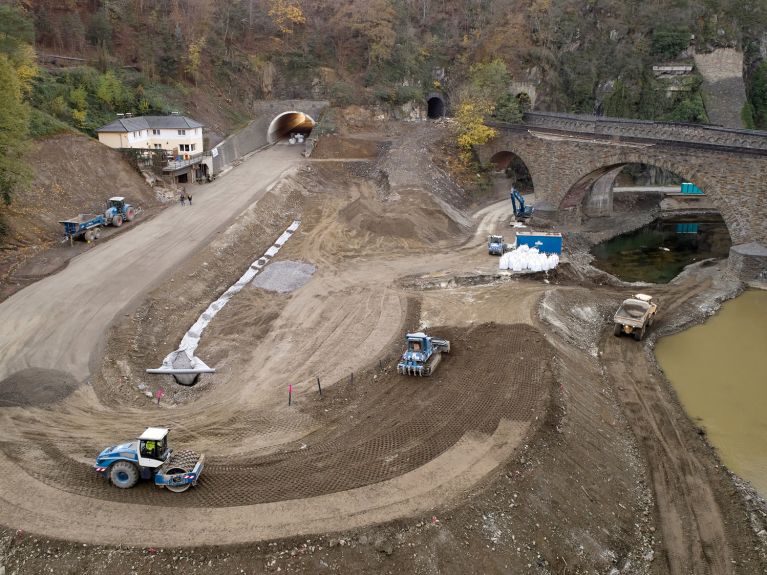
(694, 537)
(381, 428)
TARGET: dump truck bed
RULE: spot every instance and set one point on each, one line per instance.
(633, 312)
(81, 219)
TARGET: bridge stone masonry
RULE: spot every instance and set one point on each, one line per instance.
(573, 161)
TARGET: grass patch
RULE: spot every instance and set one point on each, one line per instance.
(43, 125)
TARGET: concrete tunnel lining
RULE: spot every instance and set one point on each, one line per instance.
(287, 123)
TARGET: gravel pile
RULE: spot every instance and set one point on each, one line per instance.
(284, 277)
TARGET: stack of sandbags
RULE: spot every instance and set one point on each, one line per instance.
(525, 258)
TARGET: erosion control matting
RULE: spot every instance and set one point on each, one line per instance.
(377, 428)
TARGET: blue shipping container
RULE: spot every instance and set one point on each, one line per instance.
(687, 228)
(689, 188)
(546, 242)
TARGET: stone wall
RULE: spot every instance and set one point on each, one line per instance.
(645, 130)
(723, 88)
(748, 262)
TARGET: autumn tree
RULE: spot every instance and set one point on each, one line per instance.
(363, 31)
(484, 91)
(472, 130)
(286, 15)
(194, 59)
(14, 130)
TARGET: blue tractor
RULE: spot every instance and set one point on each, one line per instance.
(149, 457)
(118, 211)
(521, 212)
(422, 355)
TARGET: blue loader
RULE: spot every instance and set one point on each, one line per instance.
(149, 457)
(422, 355)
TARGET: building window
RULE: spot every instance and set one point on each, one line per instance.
(157, 146)
(182, 132)
(155, 132)
(192, 148)
(185, 148)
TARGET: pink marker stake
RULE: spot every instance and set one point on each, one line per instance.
(290, 394)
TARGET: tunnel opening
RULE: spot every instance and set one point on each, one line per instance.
(435, 107)
(289, 124)
(524, 102)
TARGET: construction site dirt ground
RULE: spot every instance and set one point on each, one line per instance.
(542, 443)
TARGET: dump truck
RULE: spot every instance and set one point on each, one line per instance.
(495, 245)
(422, 355)
(149, 457)
(634, 316)
(88, 226)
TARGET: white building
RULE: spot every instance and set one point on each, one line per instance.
(179, 135)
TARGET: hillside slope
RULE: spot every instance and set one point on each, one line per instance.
(73, 174)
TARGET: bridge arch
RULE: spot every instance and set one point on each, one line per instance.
(603, 171)
(287, 123)
(566, 154)
(514, 168)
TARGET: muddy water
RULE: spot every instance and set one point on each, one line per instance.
(660, 250)
(719, 372)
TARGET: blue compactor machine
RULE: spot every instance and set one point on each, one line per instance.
(422, 355)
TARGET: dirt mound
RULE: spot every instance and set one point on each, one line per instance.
(414, 217)
(36, 387)
(334, 146)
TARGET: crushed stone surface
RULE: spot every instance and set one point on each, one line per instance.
(284, 277)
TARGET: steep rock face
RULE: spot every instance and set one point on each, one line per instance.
(723, 86)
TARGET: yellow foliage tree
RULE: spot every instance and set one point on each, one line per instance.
(194, 58)
(286, 15)
(472, 130)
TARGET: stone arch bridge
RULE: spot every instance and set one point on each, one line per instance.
(573, 161)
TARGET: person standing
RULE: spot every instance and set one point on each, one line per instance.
(181, 197)
(189, 198)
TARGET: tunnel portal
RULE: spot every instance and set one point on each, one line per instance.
(435, 107)
(288, 123)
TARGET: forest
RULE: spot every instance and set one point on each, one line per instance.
(154, 56)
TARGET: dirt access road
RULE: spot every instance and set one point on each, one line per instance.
(47, 326)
